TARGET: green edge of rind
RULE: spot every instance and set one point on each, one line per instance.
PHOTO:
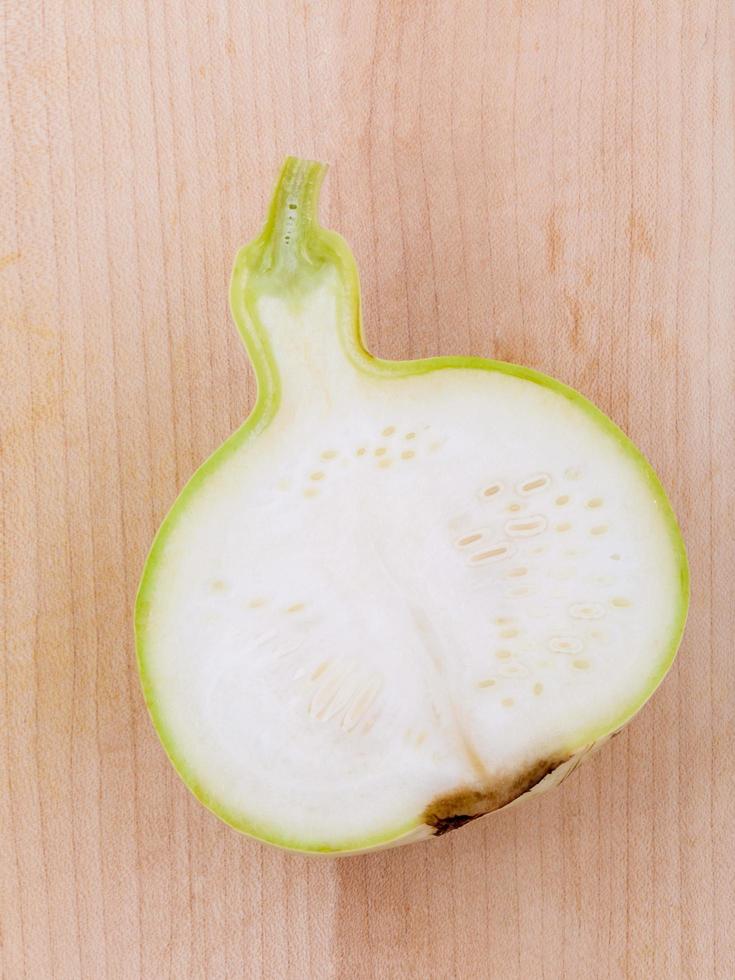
(323, 244)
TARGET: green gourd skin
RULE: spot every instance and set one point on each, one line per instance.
(287, 259)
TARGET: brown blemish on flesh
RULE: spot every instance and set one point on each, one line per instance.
(455, 809)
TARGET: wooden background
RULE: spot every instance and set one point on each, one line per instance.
(548, 182)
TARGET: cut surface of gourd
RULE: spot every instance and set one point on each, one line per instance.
(403, 594)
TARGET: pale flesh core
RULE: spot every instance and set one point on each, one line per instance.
(407, 598)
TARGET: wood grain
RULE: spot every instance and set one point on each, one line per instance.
(548, 182)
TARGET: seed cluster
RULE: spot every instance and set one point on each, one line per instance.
(388, 448)
(533, 503)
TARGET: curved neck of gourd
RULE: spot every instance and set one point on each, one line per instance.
(296, 298)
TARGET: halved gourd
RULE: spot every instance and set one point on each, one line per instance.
(402, 594)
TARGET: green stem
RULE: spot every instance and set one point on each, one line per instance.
(292, 217)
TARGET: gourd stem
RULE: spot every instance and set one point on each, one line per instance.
(292, 217)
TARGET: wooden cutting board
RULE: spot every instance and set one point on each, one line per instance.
(550, 183)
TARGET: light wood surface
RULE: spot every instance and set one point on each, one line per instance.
(547, 182)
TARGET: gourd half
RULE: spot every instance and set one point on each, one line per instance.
(402, 594)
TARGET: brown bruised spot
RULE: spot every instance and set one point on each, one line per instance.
(453, 823)
(454, 810)
(448, 812)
